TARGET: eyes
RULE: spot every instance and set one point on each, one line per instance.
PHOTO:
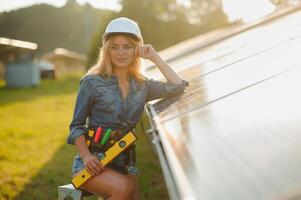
(126, 47)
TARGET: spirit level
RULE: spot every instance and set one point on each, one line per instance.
(118, 147)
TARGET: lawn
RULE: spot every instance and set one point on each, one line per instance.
(34, 156)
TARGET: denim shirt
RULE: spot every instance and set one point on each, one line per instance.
(100, 101)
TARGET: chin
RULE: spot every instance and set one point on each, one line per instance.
(123, 65)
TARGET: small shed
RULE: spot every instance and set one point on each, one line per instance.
(19, 67)
(66, 61)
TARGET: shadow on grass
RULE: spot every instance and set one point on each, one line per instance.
(61, 86)
(54, 173)
(58, 172)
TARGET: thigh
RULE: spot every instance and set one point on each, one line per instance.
(135, 180)
(107, 183)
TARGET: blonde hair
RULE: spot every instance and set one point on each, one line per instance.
(104, 66)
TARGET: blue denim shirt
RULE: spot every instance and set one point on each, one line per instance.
(100, 101)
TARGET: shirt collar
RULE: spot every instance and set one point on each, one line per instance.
(114, 79)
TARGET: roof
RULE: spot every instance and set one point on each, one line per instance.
(15, 47)
(64, 53)
(234, 133)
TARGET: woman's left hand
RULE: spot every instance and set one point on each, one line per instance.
(146, 51)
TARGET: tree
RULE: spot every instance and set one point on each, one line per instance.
(157, 19)
(207, 13)
(165, 22)
(71, 4)
(71, 26)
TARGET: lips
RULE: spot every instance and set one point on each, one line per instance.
(121, 59)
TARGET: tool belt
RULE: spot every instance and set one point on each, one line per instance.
(99, 140)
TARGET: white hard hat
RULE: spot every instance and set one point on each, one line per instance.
(122, 25)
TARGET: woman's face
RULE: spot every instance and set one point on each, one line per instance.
(122, 52)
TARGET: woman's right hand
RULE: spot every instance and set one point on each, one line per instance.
(93, 166)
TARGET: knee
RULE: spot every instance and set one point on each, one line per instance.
(126, 189)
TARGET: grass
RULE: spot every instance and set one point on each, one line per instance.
(34, 156)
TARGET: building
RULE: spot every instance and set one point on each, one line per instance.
(18, 68)
(65, 61)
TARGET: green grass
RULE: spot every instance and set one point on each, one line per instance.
(34, 156)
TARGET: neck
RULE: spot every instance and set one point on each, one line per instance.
(121, 73)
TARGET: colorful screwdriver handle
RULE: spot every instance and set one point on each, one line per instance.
(97, 135)
(106, 136)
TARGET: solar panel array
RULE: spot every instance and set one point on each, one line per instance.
(235, 133)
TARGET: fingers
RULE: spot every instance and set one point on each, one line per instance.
(141, 51)
(145, 51)
(101, 166)
(137, 51)
(94, 167)
(90, 171)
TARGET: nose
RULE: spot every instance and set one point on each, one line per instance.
(121, 51)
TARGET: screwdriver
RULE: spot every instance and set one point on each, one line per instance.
(98, 134)
(106, 136)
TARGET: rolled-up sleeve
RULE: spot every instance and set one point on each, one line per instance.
(160, 89)
(82, 108)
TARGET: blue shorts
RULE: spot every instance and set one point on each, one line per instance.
(78, 165)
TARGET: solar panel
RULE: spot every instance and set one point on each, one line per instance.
(229, 79)
(246, 146)
(239, 47)
(234, 133)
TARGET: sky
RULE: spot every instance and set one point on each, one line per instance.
(248, 10)
(6, 5)
(235, 9)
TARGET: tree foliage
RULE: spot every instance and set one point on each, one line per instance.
(50, 27)
(163, 23)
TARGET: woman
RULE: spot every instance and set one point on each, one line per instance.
(112, 95)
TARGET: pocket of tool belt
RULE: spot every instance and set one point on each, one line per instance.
(98, 147)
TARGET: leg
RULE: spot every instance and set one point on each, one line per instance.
(135, 180)
(110, 184)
